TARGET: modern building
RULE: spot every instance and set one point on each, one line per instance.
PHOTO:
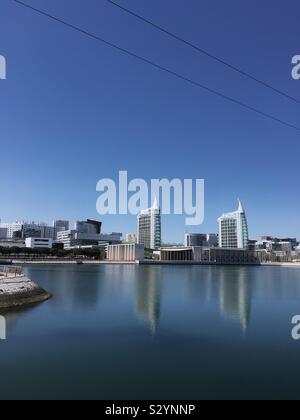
(230, 256)
(233, 229)
(195, 239)
(87, 234)
(111, 238)
(149, 227)
(210, 255)
(74, 239)
(23, 230)
(126, 252)
(177, 254)
(11, 228)
(39, 243)
(201, 239)
(278, 243)
(67, 238)
(60, 226)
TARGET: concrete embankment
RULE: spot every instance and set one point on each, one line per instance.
(70, 262)
(20, 291)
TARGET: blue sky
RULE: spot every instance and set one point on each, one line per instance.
(74, 111)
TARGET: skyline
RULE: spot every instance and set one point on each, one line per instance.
(71, 116)
(156, 206)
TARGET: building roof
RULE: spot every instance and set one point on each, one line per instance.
(234, 214)
(241, 208)
(155, 204)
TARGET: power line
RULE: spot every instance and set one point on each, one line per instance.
(157, 66)
(202, 51)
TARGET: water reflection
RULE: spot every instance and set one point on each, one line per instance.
(86, 295)
(231, 288)
(201, 283)
(235, 294)
(148, 296)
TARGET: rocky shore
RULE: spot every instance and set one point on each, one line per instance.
(16, 291)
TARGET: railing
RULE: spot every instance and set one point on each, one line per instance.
(6, 271)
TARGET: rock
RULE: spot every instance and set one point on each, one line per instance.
(20, 291)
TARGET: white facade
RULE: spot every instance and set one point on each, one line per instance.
(126, 252)
(233, 229)
(74, 239)
(39, 243)
(60, 226)
(67, 238)
(12, 228)
(149, 227)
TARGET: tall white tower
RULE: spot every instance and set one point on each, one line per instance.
(233, 229)
(149, 227)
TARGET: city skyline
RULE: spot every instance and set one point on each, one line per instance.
(240, 218)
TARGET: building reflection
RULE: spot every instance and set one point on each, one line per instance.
(201, 283)
(236, 294)
(148, 296)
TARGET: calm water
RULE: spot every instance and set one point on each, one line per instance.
(126, 332)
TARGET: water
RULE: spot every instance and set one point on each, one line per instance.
(155, 332)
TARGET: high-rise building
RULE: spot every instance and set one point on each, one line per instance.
(12, 228)
(149, 227)
(233, 229)
(86, 233)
